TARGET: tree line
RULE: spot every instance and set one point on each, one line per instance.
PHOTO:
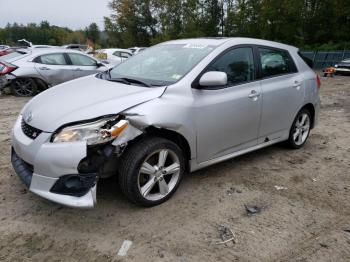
(308, 24)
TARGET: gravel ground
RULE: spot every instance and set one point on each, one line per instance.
(306, 220)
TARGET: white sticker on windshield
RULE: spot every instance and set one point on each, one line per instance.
(176, 76)
(195, 46)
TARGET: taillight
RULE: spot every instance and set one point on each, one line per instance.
(5, 52)
(6, 68)
(318, 81)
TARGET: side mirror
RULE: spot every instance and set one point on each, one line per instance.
(213, 78)
(99, 64)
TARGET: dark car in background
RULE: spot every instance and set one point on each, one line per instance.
(343, 67)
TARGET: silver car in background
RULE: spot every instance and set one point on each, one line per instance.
(28, 71)
(176, 107)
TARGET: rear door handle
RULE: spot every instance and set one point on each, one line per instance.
(254, 94)
(78, 69)
(44, 68)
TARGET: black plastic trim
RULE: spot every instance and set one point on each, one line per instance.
(87, 181)
(22, 169)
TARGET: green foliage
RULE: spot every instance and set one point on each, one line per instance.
(308, 24)
(45, 34)
(304, 23)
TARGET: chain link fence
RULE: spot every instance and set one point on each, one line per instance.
(322, 59)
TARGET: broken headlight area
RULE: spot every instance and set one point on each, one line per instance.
(97, 132)
(74, 185)
(97, 158)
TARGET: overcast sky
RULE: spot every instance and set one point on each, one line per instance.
(75, 14)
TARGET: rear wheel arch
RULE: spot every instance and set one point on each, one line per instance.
(310, 107)
(42, 85)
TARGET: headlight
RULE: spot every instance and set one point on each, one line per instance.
(93, 133)
(336, 66)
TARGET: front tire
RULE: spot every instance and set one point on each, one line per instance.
(151, 170)
(24, 87)
(300, 129)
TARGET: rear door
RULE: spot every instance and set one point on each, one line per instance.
(283, 92)
(54, 68)
(83, 65)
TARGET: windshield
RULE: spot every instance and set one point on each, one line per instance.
(162, 64)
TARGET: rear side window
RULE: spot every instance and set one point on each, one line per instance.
(81, 60)
(275, 62)
(238, 64)
(117, 53)
(124, 55)
(51, 59)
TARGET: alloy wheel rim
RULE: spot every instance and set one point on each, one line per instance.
(159, 174)
(23, 87)
(301, 129)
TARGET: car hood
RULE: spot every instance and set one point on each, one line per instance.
(83, 99)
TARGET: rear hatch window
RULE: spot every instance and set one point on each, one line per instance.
(13, 56)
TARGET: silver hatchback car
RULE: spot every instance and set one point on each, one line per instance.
(174, 108)
(31, 70)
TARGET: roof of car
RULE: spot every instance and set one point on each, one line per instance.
(217, 41)
(115, 49)
(41, 51)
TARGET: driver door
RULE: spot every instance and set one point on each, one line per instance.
(228, 118)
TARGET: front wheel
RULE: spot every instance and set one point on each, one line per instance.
(300, 129)
(151, 170)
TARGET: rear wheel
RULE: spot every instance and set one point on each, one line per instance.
(151, 171)
(300, 130)
(24, 87)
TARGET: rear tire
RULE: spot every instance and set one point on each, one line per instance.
(24, 87)
(151, 170)
(300, 129)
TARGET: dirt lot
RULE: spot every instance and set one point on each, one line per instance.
(308, 221)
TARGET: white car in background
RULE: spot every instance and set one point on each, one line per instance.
(113, 55)
(135, 50)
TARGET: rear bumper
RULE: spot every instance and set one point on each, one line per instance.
(41, 164)
(5, 80)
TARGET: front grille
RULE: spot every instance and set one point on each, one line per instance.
(30, 131)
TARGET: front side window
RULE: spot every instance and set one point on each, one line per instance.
(81, 60)
(238, 64)
(162, 64)
(275, 62)
(52, 59)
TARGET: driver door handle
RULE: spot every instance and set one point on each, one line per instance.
(254, 94)
(44, 68)
(297, 84)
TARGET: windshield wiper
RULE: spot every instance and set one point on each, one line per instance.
(128, 81)
(119, 80)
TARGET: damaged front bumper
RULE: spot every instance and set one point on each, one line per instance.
(66, 173)
(51, 170)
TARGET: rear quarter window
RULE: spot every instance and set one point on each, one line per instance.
(307, 60)
(276, 62)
